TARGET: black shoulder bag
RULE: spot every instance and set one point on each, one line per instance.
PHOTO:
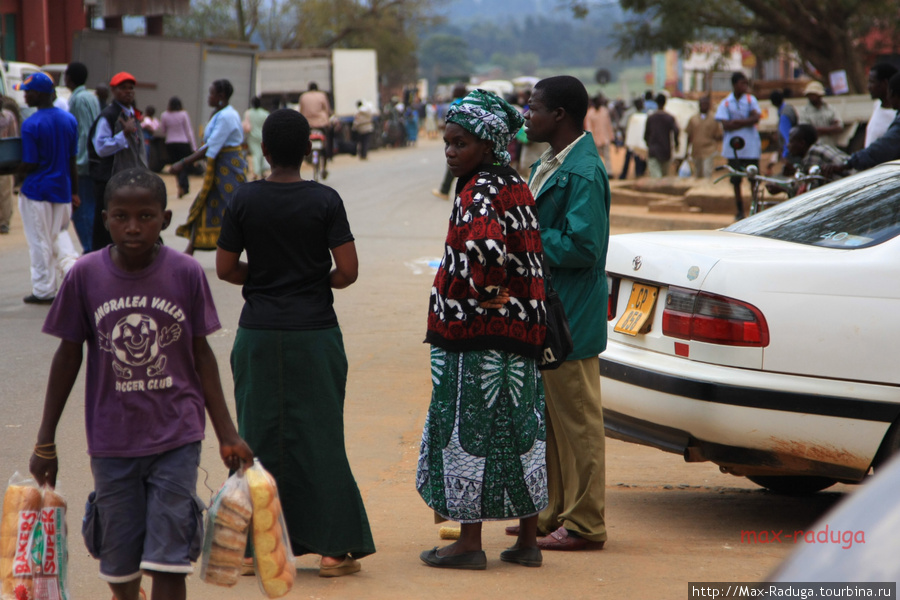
(558, 344)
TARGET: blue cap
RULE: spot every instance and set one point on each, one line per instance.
(39, 82)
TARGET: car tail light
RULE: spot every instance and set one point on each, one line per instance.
(705, 317)
(612, 285)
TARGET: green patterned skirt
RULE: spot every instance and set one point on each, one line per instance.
(483, 447)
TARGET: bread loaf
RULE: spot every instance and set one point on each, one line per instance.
(239, 504)
(226, 534)
(225, 576)
(21, 511)
(225, 557)
(279, 586)
(229, 538)
(229, 518)
(274, 565)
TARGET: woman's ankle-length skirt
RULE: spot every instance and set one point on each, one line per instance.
(483, 448)
(289, 393)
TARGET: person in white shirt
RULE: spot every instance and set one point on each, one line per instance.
(881, 118)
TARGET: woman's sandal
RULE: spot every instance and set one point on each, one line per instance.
(348, 566)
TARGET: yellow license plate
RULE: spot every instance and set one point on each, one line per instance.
(639, 311)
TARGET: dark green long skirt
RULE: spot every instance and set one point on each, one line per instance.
(289, 391)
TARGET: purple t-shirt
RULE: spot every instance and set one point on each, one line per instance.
(142, 394)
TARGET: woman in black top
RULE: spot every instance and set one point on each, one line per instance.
(289, 366)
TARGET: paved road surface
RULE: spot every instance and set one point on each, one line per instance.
(669, 522)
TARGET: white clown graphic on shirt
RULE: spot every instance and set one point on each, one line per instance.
(136, 342)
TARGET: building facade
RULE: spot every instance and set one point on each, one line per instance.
(41, 31)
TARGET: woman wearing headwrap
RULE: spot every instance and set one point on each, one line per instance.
(482, 454)
(226, 169)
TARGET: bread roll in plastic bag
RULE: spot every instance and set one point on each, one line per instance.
(33, 543)
(227, 527)
(272, 556)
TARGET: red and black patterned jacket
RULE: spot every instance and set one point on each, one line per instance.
(494, 240)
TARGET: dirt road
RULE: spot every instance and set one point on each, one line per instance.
(669, 522)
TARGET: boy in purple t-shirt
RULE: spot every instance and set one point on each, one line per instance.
(144, 311)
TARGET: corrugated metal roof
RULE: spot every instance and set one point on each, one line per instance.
(114, 8)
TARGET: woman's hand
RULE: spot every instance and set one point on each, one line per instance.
(177, 167)
(499, 301)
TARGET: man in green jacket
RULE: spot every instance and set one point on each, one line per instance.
(571, 190)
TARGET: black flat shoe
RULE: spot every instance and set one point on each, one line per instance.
(527, 557)
(473, 561)
(32, 299)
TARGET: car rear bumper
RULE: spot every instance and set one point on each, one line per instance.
(751, 422)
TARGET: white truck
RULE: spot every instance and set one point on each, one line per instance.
(166, 67)
(348, 75)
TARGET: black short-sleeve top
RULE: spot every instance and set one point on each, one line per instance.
(288, 230)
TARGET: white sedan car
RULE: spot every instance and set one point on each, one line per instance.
(771, 347)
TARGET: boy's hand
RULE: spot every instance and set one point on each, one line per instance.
(44, 470)
(234, 452)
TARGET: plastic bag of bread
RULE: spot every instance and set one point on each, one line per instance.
(227, 528)
(272, 556)
(33, 543)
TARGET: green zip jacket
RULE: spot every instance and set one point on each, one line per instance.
(573, 211)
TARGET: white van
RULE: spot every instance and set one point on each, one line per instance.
(15, 73)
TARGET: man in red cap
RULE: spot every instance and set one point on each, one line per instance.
(49, 144)
(117, 144)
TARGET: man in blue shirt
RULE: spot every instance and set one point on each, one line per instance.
(50, 189)
(739, 114)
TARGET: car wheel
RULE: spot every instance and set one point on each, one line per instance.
(792, 484)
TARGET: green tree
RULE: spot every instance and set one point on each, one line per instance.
(825, 33)
(443, 56)
(221, 19)
(388, 26)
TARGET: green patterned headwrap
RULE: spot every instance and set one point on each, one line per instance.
(488, 117)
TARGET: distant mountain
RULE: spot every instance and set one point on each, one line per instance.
(466, 10)
(462, 10)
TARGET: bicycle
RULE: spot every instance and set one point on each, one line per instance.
(791, 186)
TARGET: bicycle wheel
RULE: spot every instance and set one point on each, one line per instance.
(315, 165)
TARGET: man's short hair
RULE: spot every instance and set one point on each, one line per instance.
(737, 76)
(806, 132)
(286, 136)
(138, 177)
(77, 73)
(884, 71)
(776, 97)
(894, 85)
(566, 92)
(660, 101)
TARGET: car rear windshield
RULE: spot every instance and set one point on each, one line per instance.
(855, 212)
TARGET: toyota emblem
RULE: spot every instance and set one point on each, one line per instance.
(636, 263)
